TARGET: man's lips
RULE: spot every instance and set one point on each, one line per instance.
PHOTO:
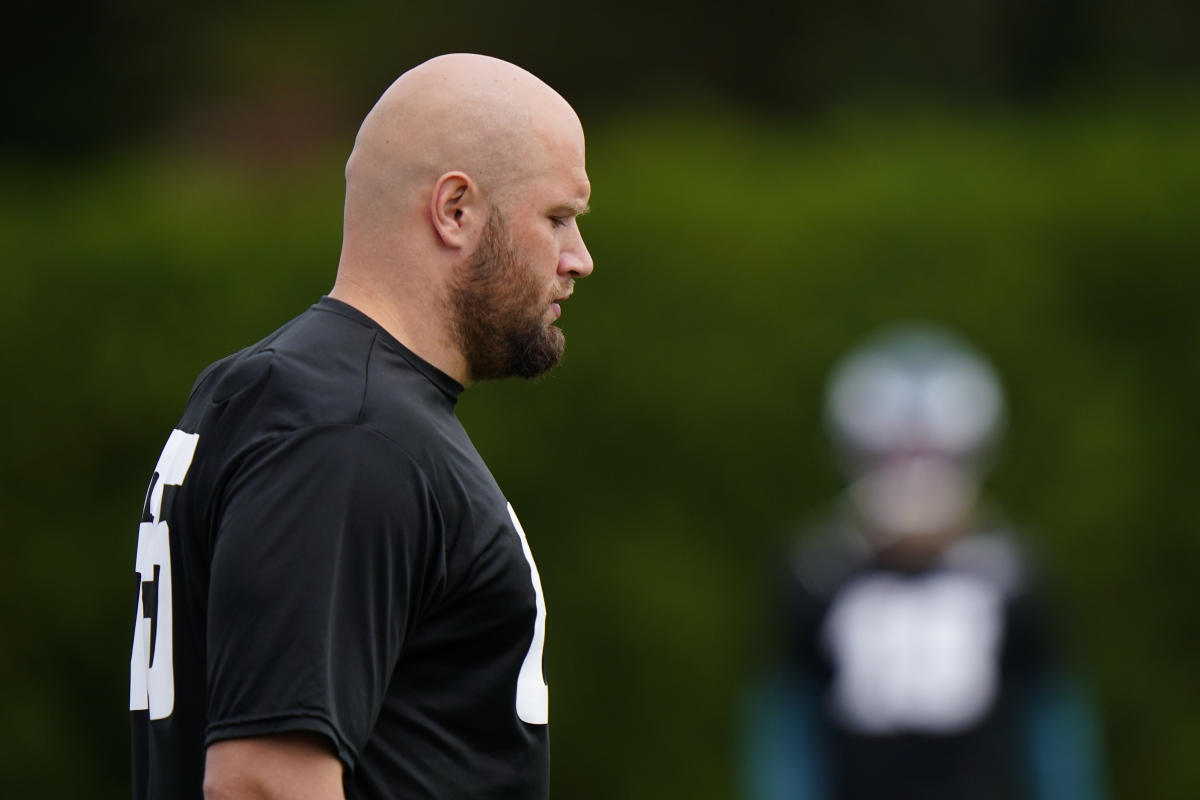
(555, 304)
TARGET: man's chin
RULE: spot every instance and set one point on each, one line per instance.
(540, 356)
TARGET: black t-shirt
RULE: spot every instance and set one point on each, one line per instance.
(322, 549)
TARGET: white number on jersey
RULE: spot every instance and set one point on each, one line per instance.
(151, 666)
(914, 654)
(533, 696)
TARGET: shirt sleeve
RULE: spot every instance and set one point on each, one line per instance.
(319, 562)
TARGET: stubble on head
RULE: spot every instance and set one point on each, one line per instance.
(498, 311)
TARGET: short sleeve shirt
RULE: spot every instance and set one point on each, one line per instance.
(322, 549)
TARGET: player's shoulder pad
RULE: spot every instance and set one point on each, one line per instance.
(827, 555)
(992, 555)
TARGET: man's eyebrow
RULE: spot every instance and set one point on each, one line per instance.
(575, 207)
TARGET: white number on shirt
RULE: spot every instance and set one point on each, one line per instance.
(533, 696)
(151, 666)
(914, 653)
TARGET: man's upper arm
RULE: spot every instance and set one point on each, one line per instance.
(315, 569)
(291, 766)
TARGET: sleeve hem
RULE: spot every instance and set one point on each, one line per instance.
(287, 722)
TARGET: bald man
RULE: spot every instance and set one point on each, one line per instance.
(336, 600)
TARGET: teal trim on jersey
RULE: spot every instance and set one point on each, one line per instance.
(1063, 736)
(783, 754)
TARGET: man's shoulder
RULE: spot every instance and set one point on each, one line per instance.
(311, 369)
(328, 366)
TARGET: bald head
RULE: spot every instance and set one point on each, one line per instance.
(473, 113)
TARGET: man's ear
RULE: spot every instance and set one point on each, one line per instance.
(458, 210)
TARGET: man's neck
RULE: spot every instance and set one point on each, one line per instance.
(422, 332)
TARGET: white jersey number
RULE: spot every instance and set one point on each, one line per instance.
(915, 654)
(151, 666)
(533, 696)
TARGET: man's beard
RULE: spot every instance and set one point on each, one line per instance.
(499, 311)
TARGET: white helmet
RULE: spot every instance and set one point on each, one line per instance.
(913, 413)
(913, 390)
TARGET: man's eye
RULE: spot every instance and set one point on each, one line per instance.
(558, 222)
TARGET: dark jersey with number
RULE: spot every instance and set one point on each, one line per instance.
(919, 676)
(323, 550)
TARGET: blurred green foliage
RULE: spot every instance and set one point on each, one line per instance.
(658, 469)
(115, 69)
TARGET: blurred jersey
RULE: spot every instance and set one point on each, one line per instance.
(909, 675)
(919, 673)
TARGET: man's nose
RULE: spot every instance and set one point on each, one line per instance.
(575, 260)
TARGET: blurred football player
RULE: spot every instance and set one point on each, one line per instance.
(915, 660)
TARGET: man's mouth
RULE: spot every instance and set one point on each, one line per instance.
(555, 304)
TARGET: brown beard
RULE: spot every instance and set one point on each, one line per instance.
(500, 309)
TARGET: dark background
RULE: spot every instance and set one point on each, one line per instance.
(771, 183)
